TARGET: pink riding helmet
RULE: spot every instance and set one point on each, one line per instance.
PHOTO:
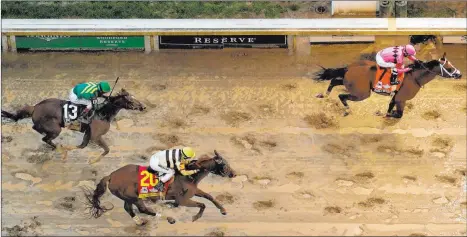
(409, 50)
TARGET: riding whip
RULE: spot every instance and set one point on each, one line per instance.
(114, 86)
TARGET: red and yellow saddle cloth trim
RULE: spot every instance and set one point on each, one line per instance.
(382, 82)
(147, 183)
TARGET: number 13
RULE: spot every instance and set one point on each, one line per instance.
(74, 111)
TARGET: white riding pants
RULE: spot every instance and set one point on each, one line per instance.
(382, 63)
(154, 164)
(74, 99)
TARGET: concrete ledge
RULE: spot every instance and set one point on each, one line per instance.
(455, 39)
(338, 39)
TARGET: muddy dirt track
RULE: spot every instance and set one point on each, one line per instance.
(303, 169)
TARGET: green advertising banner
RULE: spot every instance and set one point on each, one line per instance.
(79, 42)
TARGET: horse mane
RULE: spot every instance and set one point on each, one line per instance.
(420, 66)
(417, 39)
(108, 107)
(192, 164)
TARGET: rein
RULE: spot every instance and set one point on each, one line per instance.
(442, 69)
(210, 171)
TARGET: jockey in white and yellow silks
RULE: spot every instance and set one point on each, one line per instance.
(165, 162)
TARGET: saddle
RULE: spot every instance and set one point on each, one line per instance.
(149, 184)
(382, 81)
(71, 114)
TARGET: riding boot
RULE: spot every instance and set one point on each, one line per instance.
(160, 186)
(150, 170)
(394, 80)
(86, 116)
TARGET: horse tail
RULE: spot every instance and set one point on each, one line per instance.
(92, 197)
(330, 73)
(23, 113)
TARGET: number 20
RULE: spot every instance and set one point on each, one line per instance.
(74, 111)
(147, 176)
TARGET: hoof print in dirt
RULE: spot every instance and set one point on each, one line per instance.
(234, 118)
(216, 232)
(431, 115)
(263, 205)
(372, 202)
(226, 198)
(167, 139)
(446, 179)
(66, 203)
(200, 110)
(321, 121)
(332, 210)
(289, 86)
(7, 139)
(39, 158)
(26, 228)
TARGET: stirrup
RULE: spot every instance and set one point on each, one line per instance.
(160, 186)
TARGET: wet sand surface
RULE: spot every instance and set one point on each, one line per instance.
(303, 169)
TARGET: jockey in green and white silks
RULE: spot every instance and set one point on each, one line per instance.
(84, 93)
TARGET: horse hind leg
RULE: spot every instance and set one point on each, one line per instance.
(143, 209)
(128, 206)
(49, 136)
(345, 97)
(332, 84)
(148, 211)
(102, 144)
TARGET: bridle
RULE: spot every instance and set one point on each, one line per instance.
(443, 69)
(221, 171)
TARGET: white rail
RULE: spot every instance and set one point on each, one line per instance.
(344, 26)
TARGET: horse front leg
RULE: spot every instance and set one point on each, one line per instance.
(102, 144)
(201, 193)
(191, 203)
(391, 107)
(86, 139)
(400, 109)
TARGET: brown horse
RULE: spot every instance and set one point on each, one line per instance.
(358, 79)
(48, 119)
(123, 183)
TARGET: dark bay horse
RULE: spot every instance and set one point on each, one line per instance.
(123, 183)
(358, 79)
(47, 117)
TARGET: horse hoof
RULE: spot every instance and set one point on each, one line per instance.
(224, 212)
(195, 218)
(320, 95)
(140, 221)
(346, 113)
(143, 221)
(171, 220)
(95, 160)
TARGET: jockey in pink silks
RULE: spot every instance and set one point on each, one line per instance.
(393, 57)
